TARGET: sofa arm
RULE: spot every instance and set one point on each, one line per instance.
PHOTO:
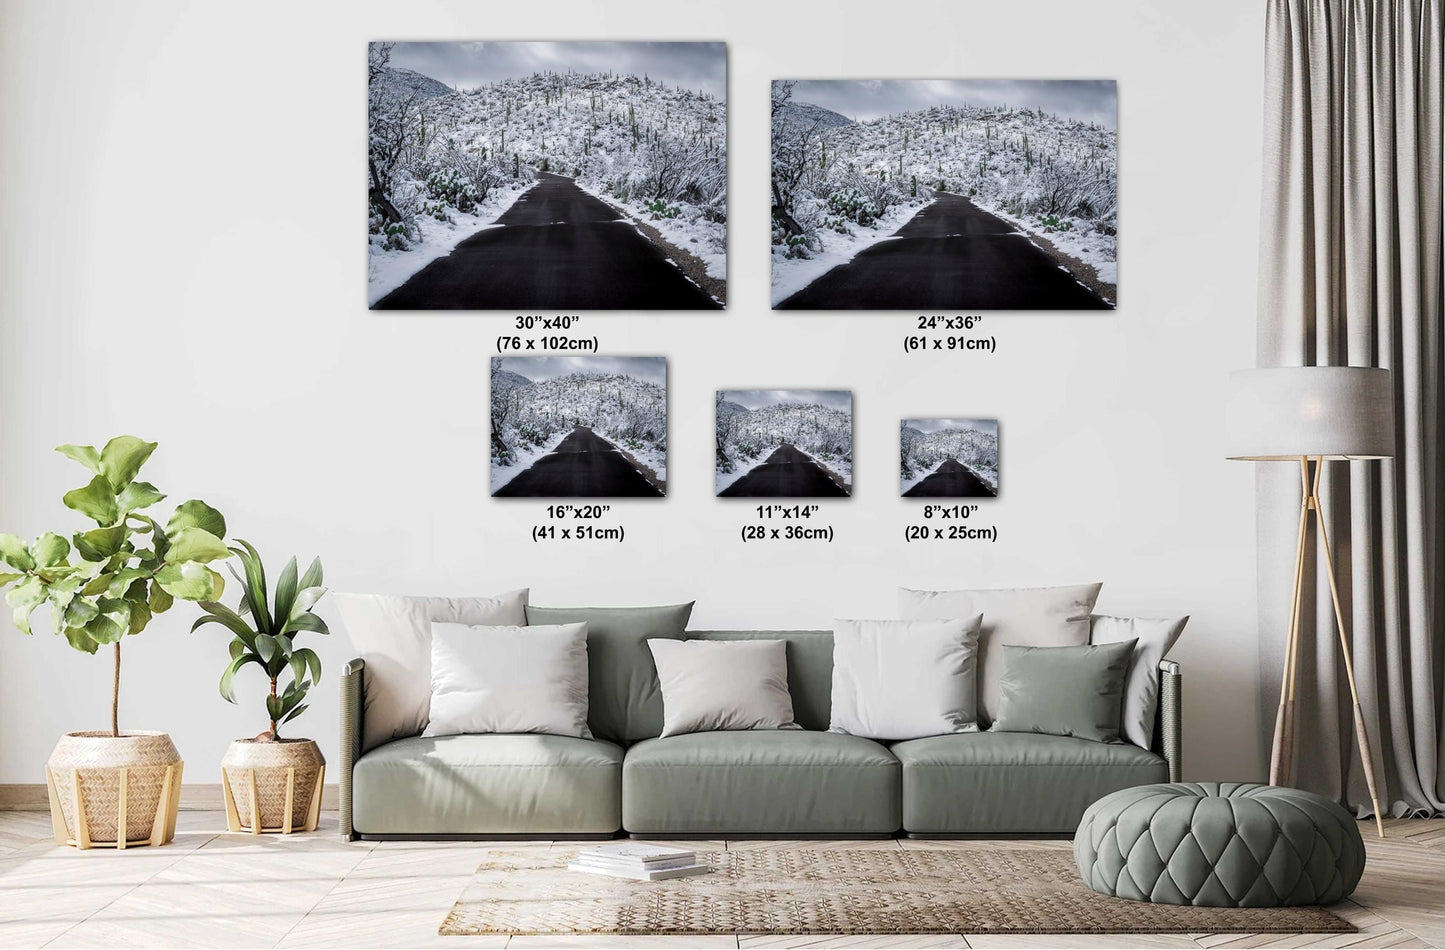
(1171, 718)
(352, 685)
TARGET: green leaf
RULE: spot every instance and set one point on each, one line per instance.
(312, 577)
(267, 647)
(191, 580)
(50, 549)
(140, 615)
(221, 614)
(112, 623)
(273, 707)
(159, 600)
(80, 612)
(238, 646)
(197, 514)
(123, 583)
(24, 598)
(196, 544)
(122, 458)
(80, 639)
(312, 661)
(53, 575)
(84, 454)
(294, 713)
(228, 678)
(306, 598)
(16, 553)
(96, 501)
(308, 622)
(7, 578)
(138, 495)
(98, 585)
(97, 544)
(254, 589)
(285, 591)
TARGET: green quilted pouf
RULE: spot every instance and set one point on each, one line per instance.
(1219, 845)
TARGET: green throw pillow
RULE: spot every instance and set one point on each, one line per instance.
(1064, 691)
(624, 698)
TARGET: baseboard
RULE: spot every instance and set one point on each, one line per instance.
(195, 796)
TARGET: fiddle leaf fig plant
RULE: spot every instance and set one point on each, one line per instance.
(264, 630)
(106, 583)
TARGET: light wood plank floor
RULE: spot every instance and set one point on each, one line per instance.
(212, 889)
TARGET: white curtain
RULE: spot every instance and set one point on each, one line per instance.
(1350, 274)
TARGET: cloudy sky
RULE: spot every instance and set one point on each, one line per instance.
(697, 66)
(757, 398)
(1092, 100)
(652, 369)
(989, 426)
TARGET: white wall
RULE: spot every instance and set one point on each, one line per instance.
(180, 197)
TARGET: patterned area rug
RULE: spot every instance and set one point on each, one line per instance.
(819, 891)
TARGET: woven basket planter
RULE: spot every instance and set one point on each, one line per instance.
(114, 791)
(273, 786)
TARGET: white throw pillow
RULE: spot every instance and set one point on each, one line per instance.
(510, 680)
(1023, 616)
(1154, 637)
(713, 686)
(898, 679)
(393, 636)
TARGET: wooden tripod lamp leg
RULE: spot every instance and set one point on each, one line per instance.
(1282, 754)
(1367, 761)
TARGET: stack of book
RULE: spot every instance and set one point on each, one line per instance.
(638, 861)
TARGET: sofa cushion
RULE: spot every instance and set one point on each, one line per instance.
(1013, 783)
(488, 784)
(775, 783)
(623, 692)
(810, 668)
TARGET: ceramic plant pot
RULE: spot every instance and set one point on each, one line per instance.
(114, 791)
(273, 786)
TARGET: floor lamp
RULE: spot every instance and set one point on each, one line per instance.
(1310, 415)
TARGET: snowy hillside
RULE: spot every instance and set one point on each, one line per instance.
(746, 437)
(530, 418)
(658, 151)
(1051, 175)
(921, 452)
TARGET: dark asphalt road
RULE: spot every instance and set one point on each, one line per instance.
(788, 473)
(584, 465)
(558, 248)
(950, 480)
(950, 256)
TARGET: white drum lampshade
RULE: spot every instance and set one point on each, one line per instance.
(1291, 412)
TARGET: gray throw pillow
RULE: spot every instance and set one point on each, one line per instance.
(1154, 638)
(625, 699)
(904, 679)
(719, 686)
(1064, 691)
(1022, 616)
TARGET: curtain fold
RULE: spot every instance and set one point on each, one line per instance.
(1351, 274)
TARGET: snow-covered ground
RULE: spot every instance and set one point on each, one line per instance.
(690, 230)
(524, 456)
(989, 478)
(1081, 241)
(791, 275)
(387, 270)
(843, 468)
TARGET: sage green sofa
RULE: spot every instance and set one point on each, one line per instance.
(786, 783)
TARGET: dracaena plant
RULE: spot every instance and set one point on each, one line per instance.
(264, 630)
(108, 582)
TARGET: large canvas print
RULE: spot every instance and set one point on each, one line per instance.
(579, 426)
(547, 176)
(948, 458)
(784, 443)
(944, 194)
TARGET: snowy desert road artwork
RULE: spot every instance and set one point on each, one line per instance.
(547, 176)
(579, 426)
(944, 194)
(784, 443)
(948, 458)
